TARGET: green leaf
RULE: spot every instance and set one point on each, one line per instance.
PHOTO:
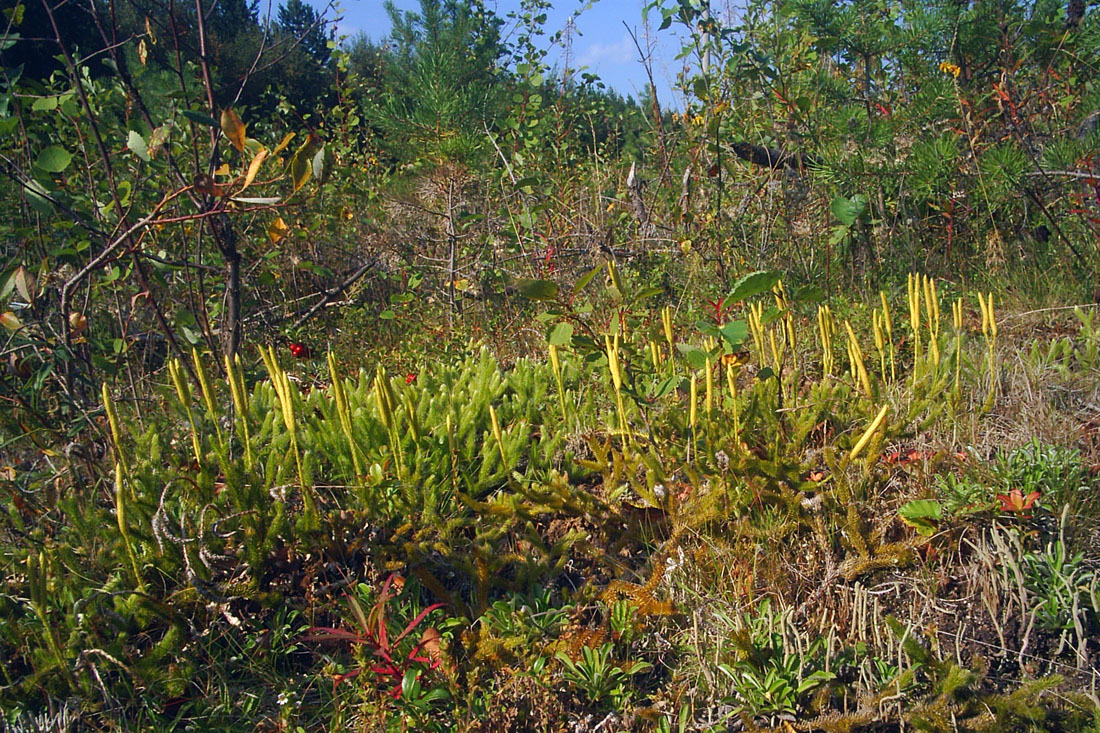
(15, 15)
(191, 337)
(664, 387)
(69, 106)
(125, 188)
(54, 159)
(771, 315)
(694, 356)
(562, 334)
(708, 328)
(9, 287)
(300, 168)
(528, 182)
(586, 278)
(387, 315)
(301, 165)
(735, 333)
(200, 118)
(840, 231)
(538, 289)
(587, 345)
(922, 515)
(808, 294)
(647, 293)
(136, 143)
(37, 197)
(815, 679)
(616, 288)
(847, 210)
(44, 104)
(752, 284)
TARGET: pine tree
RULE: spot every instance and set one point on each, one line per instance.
(305, 25)
(442, 77)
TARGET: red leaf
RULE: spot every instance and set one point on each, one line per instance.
(1015, 501)
(337, 679)
(388, 670)
(416, 621)
(318, 633)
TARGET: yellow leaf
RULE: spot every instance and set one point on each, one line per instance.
(233, 128)
(254, 168)
(143, 52)
(10, 322)
(282, 144)
(149, 31)
(223, 170)
(24, 283)
(77, 322)
(277, 230)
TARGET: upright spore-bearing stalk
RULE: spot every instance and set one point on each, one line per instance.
(183, 391)
(285, 394)
(340, 397)
(234, 376)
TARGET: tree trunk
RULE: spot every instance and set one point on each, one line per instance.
(226, 239)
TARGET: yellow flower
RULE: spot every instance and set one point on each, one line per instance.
(697, 120)
(949, 68)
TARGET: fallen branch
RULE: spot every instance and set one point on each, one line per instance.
(334, 292)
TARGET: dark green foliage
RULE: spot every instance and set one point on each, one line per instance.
(32, 49)
(307, 28)
(443, 80)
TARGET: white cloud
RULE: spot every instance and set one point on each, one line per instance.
(619, 52)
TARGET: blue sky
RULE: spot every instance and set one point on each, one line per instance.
(601, 42)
